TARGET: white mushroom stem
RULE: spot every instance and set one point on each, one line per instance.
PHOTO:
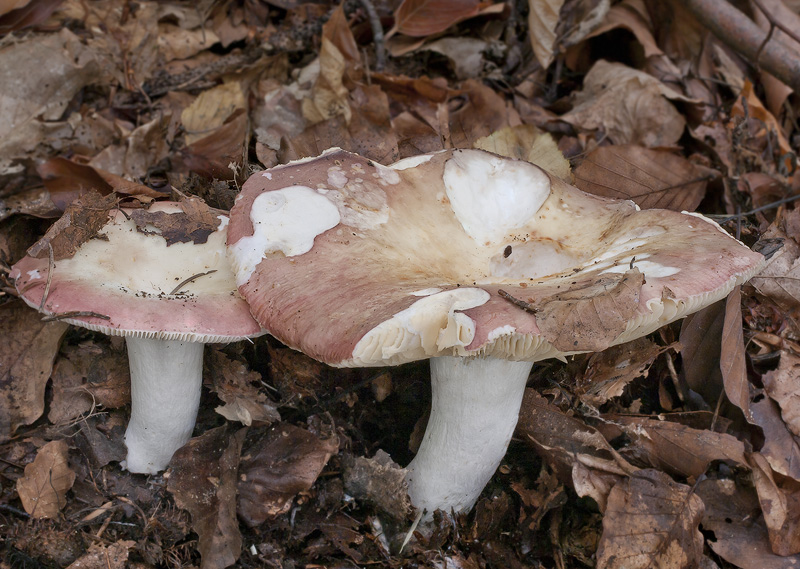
(166, 380)
(474, 410)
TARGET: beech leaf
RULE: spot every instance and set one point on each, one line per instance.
(421, 18)
(44, 486)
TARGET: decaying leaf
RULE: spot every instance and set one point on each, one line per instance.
(195, 224)
(630, 106)
(609, 371)
(210, 110)
(526, 142)
(286, 461)
(81, 221)
(203, 482)
(783, 386)
(329, 95)
(47, 479)
(651, 521)
(732, 359)
(378, 481)
(780, 505)
(99, 556)
(650, 177)
(781, 447)
(542, 23)
(732, 515)
(28, 347)
(421, 18)
(590, 317)
(235, 385)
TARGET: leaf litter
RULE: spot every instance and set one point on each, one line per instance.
(678, 450)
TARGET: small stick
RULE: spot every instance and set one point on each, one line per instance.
(527, 307)
(377, 34)
(50, 264)
(190, 279)
(75, 314)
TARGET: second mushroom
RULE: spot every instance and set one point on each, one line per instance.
(481, 263)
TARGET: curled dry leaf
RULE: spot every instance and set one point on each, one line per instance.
(99, 556)
(631, 106)
(378, 481)
(81, 221)
(732, 357)
(43, 487)
(542, 23)
(651, 521)
(526, 142)
(28, 347)
(650, 177)
(286, 461)
(421, 18)
(609, 371)
(235, 385)
(783, 386)
(732, 513)
(780, 505)
(203, 482)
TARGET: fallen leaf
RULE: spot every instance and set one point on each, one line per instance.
(99, 556)
(28, 347)
(782, 386)
(477, 112)
(542, 23)
(81, 221)
(651, 521)
(700, 339)
(780, 447)
(608, 372)
(211, 109)
(203, 482)
(235, 385)
(465, 54)
(195, 223)
(43, 487)
(732, 357)
(421, 18)
(780, 505)
(630, 106)
(329, 95)
(287, 460)
(593, 316)
(526, 142)
(219, 154)
(378, 481)
(650, 177)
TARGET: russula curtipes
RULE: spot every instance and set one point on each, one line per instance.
(166, 298)
(481, 263)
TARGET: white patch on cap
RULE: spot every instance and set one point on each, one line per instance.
(267, 175)
(411, 162)
(285, 221)
(492, 196)
(336, 177)
(433, 325)
(426, 291)
(506, 330)
(34, 274)
(387, 175)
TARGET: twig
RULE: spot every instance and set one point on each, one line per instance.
(190, 279)
(377, 34)
(75, 314)
(527, 307)
(50, 265)
(741, 34)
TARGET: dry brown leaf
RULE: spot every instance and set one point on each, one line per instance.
(7, 5)
(219, 155)
(780, 505)
(99, 556)
(732, 358)
(195, 223)
(700, 339)
(780, 447)
(143, 147)
(235, 384)
(627, 14)
(652, 178)
(43, 487)
(329, 95)
(779, 280)
(26, 14)
(739, 535)
(630, 106)
(338, 32)
(81, 221)
(41, 93)
(651, 521)
(378, 481)
(421, 18)
(754, 108)
(608, 372)
(478, 112)
(286, 461)
(211, 109)
(783, 386)
(465, 54)
(34, 202)
(177, 42)
(542, 23)
(590, 317)
(28, 347)
(203, 482)
(678, 449)
(526, 142)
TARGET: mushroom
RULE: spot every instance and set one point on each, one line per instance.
(167, 298)
(481, 263)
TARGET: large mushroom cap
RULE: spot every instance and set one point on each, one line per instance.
(464, 252)
(123, 282)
